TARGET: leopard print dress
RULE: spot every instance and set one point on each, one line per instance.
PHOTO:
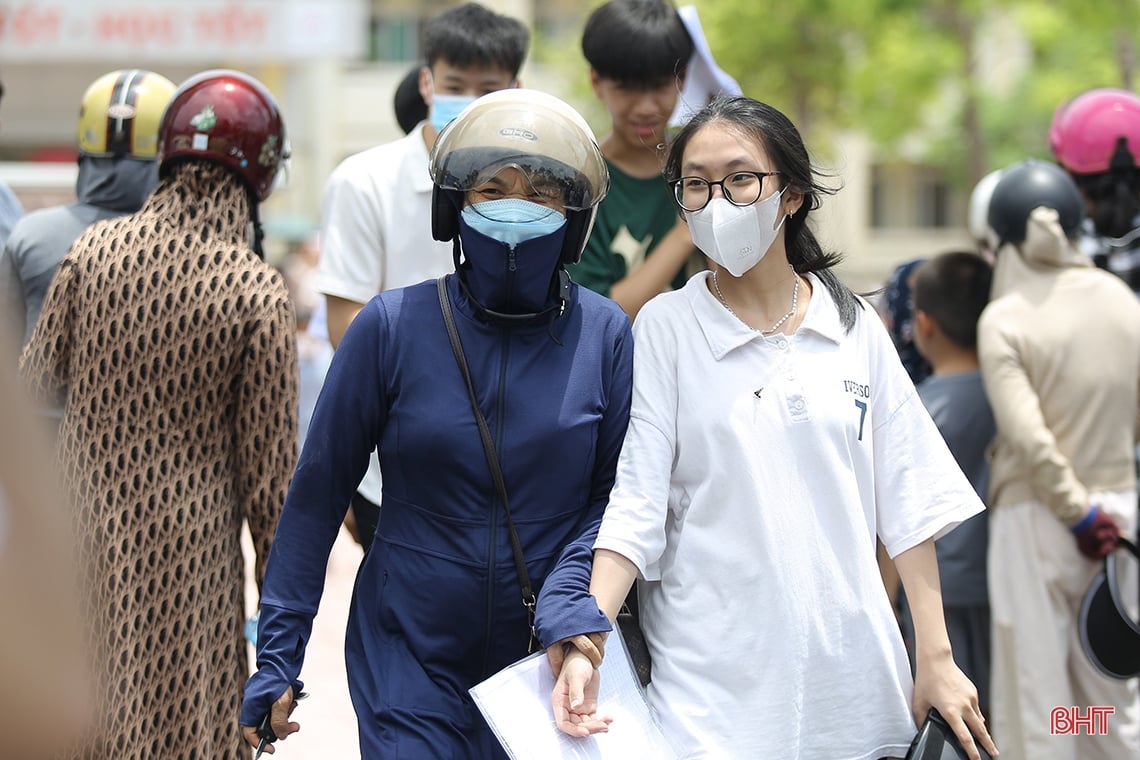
(172, 349)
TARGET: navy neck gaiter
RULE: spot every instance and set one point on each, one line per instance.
(516, 282)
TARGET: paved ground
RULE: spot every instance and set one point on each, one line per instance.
(328, 723)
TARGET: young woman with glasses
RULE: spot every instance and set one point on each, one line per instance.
(774, 435)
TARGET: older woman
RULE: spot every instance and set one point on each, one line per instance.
(441, 599)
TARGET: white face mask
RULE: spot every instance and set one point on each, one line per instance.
(736, 237)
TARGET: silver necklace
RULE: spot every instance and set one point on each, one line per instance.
(780, 321)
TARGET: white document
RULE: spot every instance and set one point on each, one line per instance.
(516, 704)
(704, 79)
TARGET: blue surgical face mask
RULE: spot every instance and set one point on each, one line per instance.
(512, 220)
(445, 107)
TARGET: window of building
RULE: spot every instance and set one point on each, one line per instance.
(907, 196)
(394, 38)
(878, 200)
(933, 203)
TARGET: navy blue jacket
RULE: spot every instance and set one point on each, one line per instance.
(566, 608)
(437, 606)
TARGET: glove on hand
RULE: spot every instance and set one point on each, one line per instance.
(1097, 534)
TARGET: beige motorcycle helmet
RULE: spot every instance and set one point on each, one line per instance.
(542, 137)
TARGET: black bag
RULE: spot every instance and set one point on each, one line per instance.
(936, 741)
(629, 626)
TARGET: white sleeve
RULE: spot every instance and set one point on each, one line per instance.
(634, 521)
(352, 236)
(920, 491)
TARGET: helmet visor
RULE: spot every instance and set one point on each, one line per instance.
(539, 136)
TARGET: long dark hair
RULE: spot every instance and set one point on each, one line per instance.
(782, 142)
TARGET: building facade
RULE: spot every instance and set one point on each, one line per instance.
(334, 66)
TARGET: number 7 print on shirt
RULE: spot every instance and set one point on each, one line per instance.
(862, 393)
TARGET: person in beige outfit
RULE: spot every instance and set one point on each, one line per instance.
(171, 346)
(1059, 347)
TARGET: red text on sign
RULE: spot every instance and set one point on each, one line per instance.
(1071, 720)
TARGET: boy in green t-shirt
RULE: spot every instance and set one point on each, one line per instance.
(638, 51)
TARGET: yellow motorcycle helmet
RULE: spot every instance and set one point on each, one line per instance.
(120, 114)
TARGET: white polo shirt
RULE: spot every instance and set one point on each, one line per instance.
(376, 232)
(376, 222)
(753, 481)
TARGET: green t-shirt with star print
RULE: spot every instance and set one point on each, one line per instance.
(631, 220)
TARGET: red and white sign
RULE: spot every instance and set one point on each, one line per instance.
(182, 30)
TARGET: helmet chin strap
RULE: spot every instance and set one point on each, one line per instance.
(257, 234)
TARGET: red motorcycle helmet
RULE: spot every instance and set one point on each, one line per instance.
(1096, 131)
(227, 117)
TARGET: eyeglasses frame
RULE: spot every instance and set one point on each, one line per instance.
(723, 190)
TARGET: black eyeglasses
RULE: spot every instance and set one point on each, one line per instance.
(739, 188)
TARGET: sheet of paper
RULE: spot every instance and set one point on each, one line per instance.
(704, 79)
(516, 704)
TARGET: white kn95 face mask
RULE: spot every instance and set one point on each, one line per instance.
(736, 237)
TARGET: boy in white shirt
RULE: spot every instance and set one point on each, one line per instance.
(376, 216)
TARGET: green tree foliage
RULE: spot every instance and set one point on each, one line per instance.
(790, 54)
(966, 85)
(963, 84)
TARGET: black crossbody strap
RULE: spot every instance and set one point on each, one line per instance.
(492, 453)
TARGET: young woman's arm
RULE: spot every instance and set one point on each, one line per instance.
(575, 697)
(632, 536)
(938, 682)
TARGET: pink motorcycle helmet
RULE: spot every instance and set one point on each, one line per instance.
(1096, 131)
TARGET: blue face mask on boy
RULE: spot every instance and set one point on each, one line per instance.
(445, 107)
(512, 220)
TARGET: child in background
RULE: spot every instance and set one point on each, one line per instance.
(638, 51)
(950, 292)
(896, 308)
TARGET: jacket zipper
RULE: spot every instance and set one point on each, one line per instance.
(492, 542)
(512, 267)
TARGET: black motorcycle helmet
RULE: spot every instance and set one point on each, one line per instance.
(1027, 185)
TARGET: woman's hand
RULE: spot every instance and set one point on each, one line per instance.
(939, 683)
(575, 697)
(279, 721)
